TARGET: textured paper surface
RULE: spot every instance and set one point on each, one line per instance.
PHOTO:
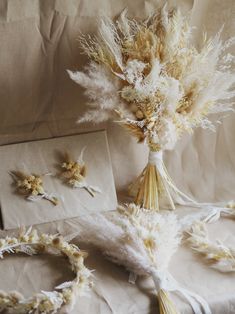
(44, 156)
(38, 100)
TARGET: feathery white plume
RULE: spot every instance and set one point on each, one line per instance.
(144, 243)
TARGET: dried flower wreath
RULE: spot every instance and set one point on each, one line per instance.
(75, 173)
(46, 302)
(31, 185)
(217, 254)
(148, 77)
(143, 241)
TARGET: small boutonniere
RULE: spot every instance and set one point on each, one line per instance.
(31, 185)
(74, 172)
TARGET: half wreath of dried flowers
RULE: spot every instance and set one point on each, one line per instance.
(148, 77)
(74, 173)
(31, 185)
(143, 242)
(218, 255)
(46, 302)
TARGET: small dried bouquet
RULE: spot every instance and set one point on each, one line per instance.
(149, 77)
(31, 185)
(74, 172)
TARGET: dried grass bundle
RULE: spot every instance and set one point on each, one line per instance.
(144, 243)
(148, 77)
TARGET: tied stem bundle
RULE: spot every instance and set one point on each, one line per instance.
(143, 241)
(149, 77)
(155, 183)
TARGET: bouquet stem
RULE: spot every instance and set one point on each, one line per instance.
(166, 306)
(154, 183)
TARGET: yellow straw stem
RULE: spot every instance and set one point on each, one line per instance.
(148, 192)
(166, 306)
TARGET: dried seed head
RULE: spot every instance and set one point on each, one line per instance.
(139, 114)
(134, 108)
(56, 241)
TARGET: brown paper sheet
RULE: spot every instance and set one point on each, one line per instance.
(38, 100)
(41, 157)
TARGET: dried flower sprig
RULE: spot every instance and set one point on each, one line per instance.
(150, 78)
(74, 173)
(46, 302)
(218, 255)
(31, 185)
(144, 243)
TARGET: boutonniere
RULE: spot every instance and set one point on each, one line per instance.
(74, 172)
(31, 185)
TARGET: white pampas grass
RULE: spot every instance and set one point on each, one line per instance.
(144, 243)
(156, 62)
(150, 78)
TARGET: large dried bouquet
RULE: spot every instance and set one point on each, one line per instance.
(147, 76)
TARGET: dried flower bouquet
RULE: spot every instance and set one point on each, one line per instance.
(143, 241)
(148, 77)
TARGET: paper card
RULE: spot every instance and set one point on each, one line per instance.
(44, 156)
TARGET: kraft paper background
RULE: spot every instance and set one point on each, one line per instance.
(38, 100)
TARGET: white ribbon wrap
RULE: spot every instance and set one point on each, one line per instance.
(173, 193)
(84, 185)
(156, 158)
(212, 212)
(50, 197)
(163, 280)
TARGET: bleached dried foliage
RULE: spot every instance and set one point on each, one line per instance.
(46, 302)
(144, 243)
(148, 76)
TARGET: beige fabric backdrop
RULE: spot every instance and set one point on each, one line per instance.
(38, 100)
